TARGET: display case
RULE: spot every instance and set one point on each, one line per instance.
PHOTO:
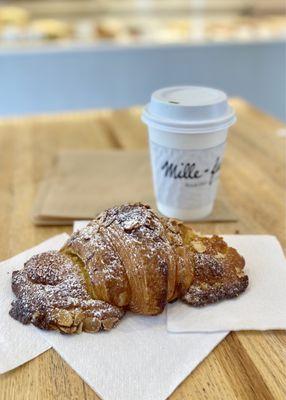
(62, 55)
(136, 22)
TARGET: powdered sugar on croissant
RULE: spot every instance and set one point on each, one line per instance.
(128, 258)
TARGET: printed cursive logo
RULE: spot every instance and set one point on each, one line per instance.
(190, 170)
(215, 169)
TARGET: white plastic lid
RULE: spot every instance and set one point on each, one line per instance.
(189, 109)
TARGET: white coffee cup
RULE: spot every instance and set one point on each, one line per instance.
(187, 134)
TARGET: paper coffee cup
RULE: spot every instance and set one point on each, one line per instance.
(187, 134)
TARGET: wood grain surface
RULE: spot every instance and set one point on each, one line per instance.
(246, 365)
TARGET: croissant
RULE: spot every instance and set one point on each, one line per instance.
(128, 258)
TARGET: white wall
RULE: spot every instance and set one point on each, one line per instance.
(54, 80)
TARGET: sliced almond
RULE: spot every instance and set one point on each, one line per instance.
(219, 255)
(79, 328)
(109, 323)
(64, 318)
(67, 330)
(91, 324)
(239, 272)
(199, 247)
(122, 299)
(78, 318)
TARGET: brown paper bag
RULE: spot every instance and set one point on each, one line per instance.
(83, 183)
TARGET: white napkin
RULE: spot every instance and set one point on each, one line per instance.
(20, 343)
(138, 359)
(261, 307)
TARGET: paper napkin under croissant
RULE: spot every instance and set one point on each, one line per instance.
(139, 359)
(134, 361)
(261, 307)
(20, 343)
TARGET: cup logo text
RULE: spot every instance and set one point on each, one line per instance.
(190, 170)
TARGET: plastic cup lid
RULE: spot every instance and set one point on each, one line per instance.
(189, 109)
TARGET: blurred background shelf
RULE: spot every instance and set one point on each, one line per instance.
(61, 55)
(76, 8)
(141, 21)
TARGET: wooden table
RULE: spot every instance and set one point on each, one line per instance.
(246, 365)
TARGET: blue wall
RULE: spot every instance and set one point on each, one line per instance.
(53, 80)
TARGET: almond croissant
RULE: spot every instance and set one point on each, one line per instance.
(128, 258)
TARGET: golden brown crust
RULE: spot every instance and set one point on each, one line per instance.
(51, 294)
(127, 258)
(102, 265)
(184, 260)
(133, 258)
(218, 272)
